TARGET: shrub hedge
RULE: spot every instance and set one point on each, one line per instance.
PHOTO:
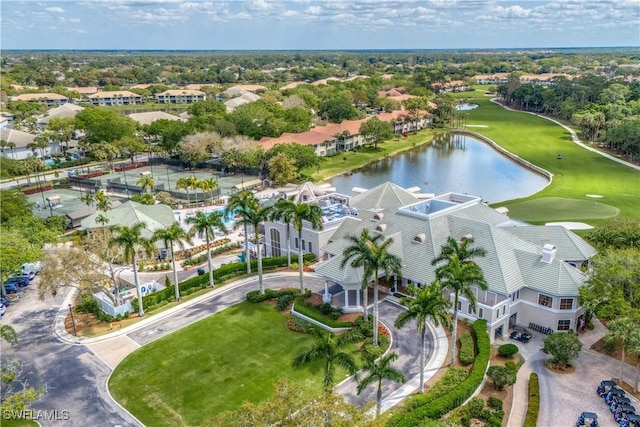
(312, 312)
(467, 352)
(224, 272)
(436, 408)
(531, 419)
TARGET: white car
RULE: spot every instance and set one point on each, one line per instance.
(31, 267)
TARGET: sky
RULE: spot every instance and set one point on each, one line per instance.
(317, 24)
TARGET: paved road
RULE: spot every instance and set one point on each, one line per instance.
(74, 376)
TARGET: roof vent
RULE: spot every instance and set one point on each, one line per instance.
(467, 236)
(548, 253)
(378, 216)
(420, 238)
(381, 227)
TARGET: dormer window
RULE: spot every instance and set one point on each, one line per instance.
(381, 227)
(420, 238)
(378, 216)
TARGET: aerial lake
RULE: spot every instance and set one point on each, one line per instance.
(450, 163)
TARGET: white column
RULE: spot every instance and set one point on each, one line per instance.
(346, 298)
(358, 299)
(326, 297)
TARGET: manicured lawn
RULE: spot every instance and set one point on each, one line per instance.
(18, 423)
(577, 174)
(211, 366)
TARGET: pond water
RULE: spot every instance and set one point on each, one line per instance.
(451, 163)
(466, 107)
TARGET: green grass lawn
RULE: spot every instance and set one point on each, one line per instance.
(211, 366)
(577, 174)
(18, 423)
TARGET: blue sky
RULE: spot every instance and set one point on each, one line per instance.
(318, 24)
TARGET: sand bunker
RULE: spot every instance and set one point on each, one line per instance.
(572, 225)
(595, 196)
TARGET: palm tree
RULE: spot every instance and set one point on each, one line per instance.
(102, 220)
(459, 272)
(380, 370)
(185, 183)
(209, 186)
(88, 199)
(130, 240)
(296, 213)
(11, 146)
(372, 253)
(330, 348)
(175, 234)
(102, 201)
(146, 182)
(203, 225)
(621, 330)
(241, 204)
(426, 304)
(256, 216)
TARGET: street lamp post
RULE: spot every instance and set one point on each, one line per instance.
(75, 332)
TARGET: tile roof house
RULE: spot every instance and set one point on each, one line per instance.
(243, 97)
(48, 99)
(533, 272)
(180, 96)
(118, 97)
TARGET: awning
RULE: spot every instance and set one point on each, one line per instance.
(53, 198)
(249, 184)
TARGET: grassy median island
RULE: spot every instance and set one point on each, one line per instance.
(577, 177)
(212, 366)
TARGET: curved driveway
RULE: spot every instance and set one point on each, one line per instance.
(77, 375)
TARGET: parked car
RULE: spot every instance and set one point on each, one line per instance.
(31, 266)
(29, 275)
(11, 288)
(20, 281)
(3, 309)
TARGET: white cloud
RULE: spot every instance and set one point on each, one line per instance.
(54, 9)
(314, 10)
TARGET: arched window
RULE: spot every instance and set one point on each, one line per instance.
(275, 242)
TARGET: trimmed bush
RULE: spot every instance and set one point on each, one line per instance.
(284, 301)
(467, 352)
(436, 408)
(510, 364)
(501, 376)
(494, 403)
(533, 408)
(507, 350)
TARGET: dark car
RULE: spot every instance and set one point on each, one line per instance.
(28, 274)
(11, 288)
(20, 281)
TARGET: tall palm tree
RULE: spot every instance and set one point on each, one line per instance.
(372, 253)
(379, 370)
(171, 236)
(130, 240)
(146, 182)
(426, 304)
(459, 272)
(102, 201)
(621, 330)
(329, 348)
(241, 204)
(88, 199)
(11, 146)
(256, 216)
(298, 213)
(203, 225)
